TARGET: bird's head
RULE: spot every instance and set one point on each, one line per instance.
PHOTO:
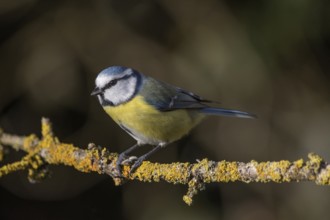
(116, 85)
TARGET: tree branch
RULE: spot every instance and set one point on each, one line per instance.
(49, 150)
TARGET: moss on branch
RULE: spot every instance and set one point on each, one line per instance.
(49, 150)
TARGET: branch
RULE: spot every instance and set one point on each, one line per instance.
(49, 150)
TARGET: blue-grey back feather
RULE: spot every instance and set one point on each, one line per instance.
(166, 97)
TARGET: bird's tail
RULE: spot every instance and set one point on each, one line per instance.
(227, 112)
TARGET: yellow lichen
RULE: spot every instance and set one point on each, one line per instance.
(188, 200)
(315, 161)
(299, 163)
(125, 171)
(220, 171)
(29, 142)
(35, 161)
(232, 169)
(283, 166)
(143, 172)
(50, 150)
(324, 177)
(19, 165)
(46, 128)
(178, 173)
(201, 169)
(272, 171)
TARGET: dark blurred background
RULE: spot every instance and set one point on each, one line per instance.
(271, 58)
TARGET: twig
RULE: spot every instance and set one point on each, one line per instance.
(49, 150)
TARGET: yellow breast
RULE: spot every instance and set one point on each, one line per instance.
(151, 126)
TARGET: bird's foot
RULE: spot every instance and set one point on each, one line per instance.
(124, 159)
(139, 160)
(121, 157)
(129, 161)
(136, 164)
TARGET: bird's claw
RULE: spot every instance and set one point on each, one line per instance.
(123, 160)
(121, 157)
(129, 161)
(136, 165)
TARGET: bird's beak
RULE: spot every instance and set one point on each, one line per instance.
(96, 91)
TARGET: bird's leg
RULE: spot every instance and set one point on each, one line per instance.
(123, 156)
(139, 161)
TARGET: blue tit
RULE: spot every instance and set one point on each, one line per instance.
(152, 112)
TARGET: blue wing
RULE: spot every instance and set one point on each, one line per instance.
(227, 112)
(168, 98)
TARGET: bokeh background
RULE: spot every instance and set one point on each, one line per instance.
(271, 58)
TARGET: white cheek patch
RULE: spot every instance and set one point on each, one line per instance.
(122, 91)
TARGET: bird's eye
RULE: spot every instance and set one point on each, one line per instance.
(113, 82)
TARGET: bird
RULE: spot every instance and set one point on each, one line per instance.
(151, 111)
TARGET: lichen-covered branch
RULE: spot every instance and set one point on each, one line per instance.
(49, 150)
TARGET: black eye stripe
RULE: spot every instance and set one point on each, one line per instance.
(114, 82)
(110, 84)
